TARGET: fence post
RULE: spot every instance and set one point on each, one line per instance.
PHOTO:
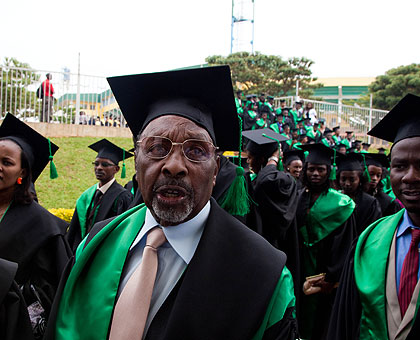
(340, 103)
(370, 115)
(77, 118)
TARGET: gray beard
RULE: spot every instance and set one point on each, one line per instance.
(171, 215)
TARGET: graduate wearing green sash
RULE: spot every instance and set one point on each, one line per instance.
(326, 228)
(207, 284)
(378, 297)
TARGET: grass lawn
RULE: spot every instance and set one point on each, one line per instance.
(75, 171)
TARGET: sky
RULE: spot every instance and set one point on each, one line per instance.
(357, 38)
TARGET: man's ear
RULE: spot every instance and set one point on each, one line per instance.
(216, 169)
(117, 168)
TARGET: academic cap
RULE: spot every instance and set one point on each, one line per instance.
(336, 128)
(377, 159)
(350, 162)
(203, 95)
(348, 132)
(270, 97)
(282, 100)
(318, 153)
(108, 150)
(402, 122)
(327, 130)
(262, 142)
(366, 144)
(381, 150)
(293, 155)
(38, 149)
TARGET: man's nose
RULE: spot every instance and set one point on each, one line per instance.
(175, 163)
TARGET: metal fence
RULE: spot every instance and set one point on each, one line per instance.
(349, 118)
(83, 99)
(77, 98)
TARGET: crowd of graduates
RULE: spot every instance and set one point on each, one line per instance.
(311, 193)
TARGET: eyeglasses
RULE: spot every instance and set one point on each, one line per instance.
(194, 150)
(103, 164)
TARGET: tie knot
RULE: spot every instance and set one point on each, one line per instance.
(155, 238)
(415, 235)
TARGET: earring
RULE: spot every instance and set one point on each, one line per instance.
(19, 180)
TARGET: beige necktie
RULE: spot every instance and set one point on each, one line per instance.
(133, 305)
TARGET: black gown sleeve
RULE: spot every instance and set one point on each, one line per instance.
(122, 202)
(14, 318)
(346, 313)
(285, 329)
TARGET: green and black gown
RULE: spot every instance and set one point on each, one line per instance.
(326, 231)
(113, 203)
(14, 318)
(235, 287)
(273, 209)
(34, 239)
(360, 308)
(367, 211)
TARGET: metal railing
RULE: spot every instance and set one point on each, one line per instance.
(78, 98)
(357, 119)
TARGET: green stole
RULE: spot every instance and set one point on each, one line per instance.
(294, 115)
(252, 114)
(370, 271)
(335, 139)
(325, 142)
(275, 127)
(329, 212)
(346, 142)
(82, 206)
(95, 278)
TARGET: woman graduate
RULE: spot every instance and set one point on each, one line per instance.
(326, 227)
(30, 235)
(377, 164)
(293, 164)
(351, 180)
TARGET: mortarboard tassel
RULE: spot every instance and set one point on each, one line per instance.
(236, 200)
(123, 171)
(280, 166)
(53, 169)
(366, 172)
(333, 174)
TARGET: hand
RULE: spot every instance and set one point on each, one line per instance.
(317, 284)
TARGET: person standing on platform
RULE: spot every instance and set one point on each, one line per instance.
(47, 99)
(379, 289)
(104, 199)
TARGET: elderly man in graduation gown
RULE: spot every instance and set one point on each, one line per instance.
(104, 199)
(378, 297)
(215, 278)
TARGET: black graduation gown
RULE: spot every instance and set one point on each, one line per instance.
(388, 205)
(226, 286)
(115, 201)
(272, 215)
(14, 318)
(331, 257)
(367, 211)
(34, 239)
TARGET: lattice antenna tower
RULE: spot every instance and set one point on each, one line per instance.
(242, 30)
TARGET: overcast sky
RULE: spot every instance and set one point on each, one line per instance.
(344, 38)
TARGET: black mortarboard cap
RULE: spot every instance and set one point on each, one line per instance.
(357, 141)
(108, 150)
(335, 128)
(293, 155)
(262, 142)
(403, 121)
(36, 147)
(350, 162)
(318, 153)
(270, 97)
(327, 130)
(381, 149)
(365, 144)
(377, 159)
(203, 95)
(348, 132)
(282, 100)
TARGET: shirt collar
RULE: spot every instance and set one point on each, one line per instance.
(406, 223)
(106, 186)
(184, 237)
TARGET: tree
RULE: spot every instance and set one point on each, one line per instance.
(16, 77)
(257, 73)
(388, 89)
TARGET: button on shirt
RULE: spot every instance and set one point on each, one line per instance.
(173, 256)
(403, 245)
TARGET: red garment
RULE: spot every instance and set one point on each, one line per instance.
(48, 88)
